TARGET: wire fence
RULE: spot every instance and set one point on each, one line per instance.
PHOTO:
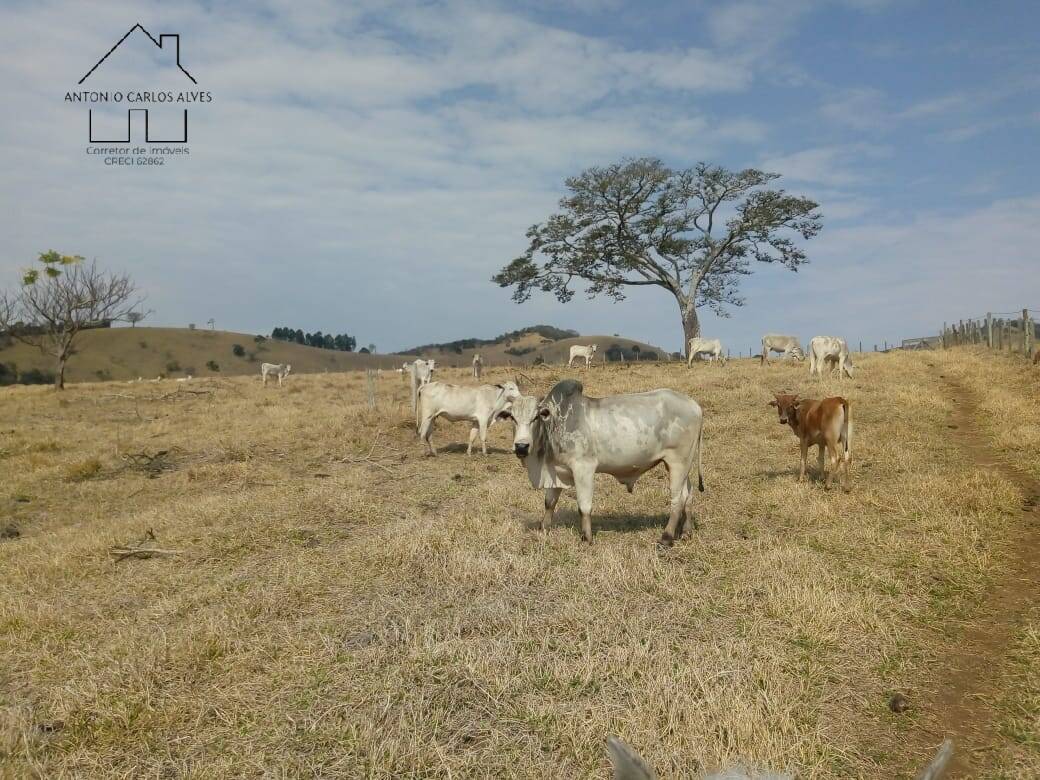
(1013, 332)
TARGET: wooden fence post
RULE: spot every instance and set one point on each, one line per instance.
(989, 330)
(370, 385)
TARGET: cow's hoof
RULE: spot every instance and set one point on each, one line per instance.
(586, 539)
(667, 540)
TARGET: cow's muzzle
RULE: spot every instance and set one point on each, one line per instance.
(521, 450)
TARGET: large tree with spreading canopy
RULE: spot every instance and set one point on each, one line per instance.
(638, 223)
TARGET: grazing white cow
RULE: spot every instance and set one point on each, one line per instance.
(479, 405)
(566, 438)
(583, 352)
(280, 370)
(478, 366)
(187, 378)
(831, 350)
(786, 345)
(712, 347)
(419, 372)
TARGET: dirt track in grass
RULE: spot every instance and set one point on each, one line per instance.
(963, 706)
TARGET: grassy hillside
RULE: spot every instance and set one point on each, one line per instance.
(127, 353)
(550, 351)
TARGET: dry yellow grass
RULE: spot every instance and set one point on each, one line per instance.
(345, 607)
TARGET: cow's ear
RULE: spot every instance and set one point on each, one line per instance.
(500, 387)
(773, 403)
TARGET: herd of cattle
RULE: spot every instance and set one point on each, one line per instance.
(565, 438)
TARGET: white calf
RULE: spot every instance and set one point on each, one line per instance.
(712, 347)
(479, 405)
(831, 350)
(582, 352)
(280, 370)
(419, 372)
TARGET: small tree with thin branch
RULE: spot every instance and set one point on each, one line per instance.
(58, 299)
(637, 223)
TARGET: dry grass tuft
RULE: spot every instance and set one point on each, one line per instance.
(399, 616)
(82, 470)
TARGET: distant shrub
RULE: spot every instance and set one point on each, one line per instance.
(83, 470)
(8, 373)
(103, 374)
(649, 355)
(259, 339)
(36, 376)
(172, 366)
(238, 350)
(190, 371)
(212, 365)
(142, 344)
(539, 360)
(518, 351)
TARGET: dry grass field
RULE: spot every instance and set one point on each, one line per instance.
(337, 605)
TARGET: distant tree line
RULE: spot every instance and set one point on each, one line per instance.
(341, 342)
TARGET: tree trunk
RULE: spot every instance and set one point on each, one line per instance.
(59, 375)
(691, 328)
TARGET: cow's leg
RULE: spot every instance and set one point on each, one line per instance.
(805, 454)
(473, 431)
(679, 489)
(426, 435)
(844, 465)
(832, 456)
(570, 362)
(552, 497)
(584, 482)
(482, 430)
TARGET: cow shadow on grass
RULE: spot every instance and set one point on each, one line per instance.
(621, 522)
(459, 448)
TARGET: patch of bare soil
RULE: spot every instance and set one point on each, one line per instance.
(962, 705)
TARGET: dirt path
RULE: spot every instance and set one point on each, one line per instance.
(962, 706)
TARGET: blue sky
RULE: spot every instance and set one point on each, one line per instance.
(367, 167)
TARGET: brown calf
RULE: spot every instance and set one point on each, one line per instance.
(826, 423)
(1036, 357)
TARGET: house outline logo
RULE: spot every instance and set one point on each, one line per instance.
(159, 43)
(166, 42)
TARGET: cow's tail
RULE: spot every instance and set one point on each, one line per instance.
(846, 429)
(700, 448)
